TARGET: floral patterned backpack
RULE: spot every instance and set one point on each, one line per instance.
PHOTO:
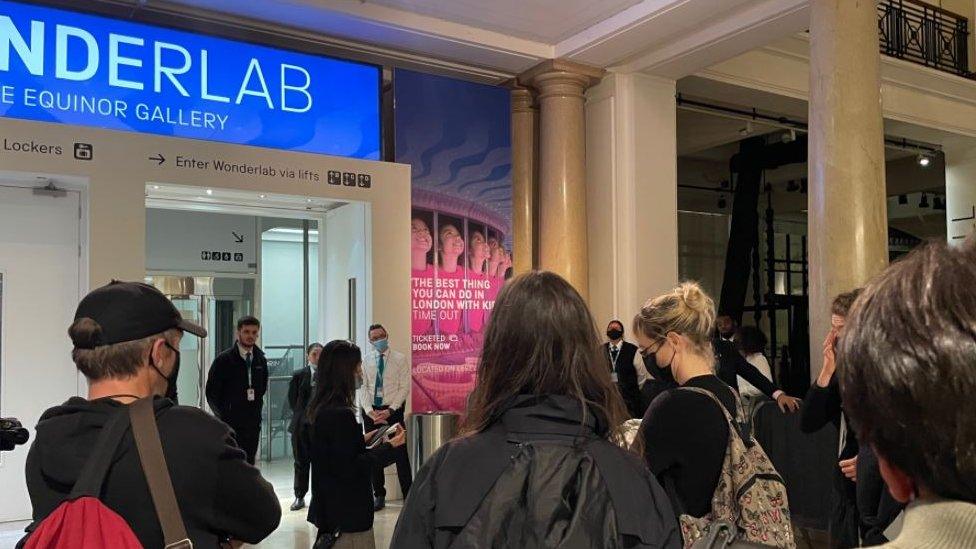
(750, 494)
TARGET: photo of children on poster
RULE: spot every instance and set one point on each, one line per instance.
(460, 224)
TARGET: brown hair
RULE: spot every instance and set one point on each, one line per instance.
(906, 370)
(541, 340)
(120, 360)
(843, 302)
(686, 310)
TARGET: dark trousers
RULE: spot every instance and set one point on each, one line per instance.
(303, 466)
(402, 461)
(248, 437)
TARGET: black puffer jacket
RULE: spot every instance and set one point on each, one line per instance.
(541, 476)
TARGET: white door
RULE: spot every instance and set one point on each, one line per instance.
(40, 263)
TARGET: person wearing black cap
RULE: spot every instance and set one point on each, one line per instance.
(236, 385)
(126, 338)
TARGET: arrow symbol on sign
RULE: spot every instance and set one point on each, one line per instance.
(158, 158)
(239, 238)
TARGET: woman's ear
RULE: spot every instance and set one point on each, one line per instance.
(677, 342)
(901, 486)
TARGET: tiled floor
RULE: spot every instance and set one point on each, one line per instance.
(295, 532)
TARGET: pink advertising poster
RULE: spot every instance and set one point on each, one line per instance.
(455, 135)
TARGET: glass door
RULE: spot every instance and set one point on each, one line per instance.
(192, 378)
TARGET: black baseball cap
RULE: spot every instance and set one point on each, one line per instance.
(129, 311)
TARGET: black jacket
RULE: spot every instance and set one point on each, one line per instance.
(545, 478)
(218, 492)
(626, 376)
(732, 364)
(227, 388)
(342, 469)
(299, 395)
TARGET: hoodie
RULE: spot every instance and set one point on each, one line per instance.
(220, 495)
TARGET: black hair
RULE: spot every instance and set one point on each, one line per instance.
(376, 327)
(335, 376)
(248, 321)
(751, 340)
(617, 322)
(907, 372)
(312, 346)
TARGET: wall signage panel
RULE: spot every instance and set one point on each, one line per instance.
(72, 68)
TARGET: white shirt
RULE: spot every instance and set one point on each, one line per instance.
(396, 379)
(642, 375)
(759, 361)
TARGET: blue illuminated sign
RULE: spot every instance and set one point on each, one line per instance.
(72, 68)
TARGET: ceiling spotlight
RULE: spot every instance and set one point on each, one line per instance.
(746, 130)
(924, 160)
(309, 200)
(924, 202)
(262, 196)
(903, 199)
(209, 192)
(722, 202)
(155, 187)
(789, 136)
(938, 203)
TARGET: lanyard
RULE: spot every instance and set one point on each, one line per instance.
(613, 359)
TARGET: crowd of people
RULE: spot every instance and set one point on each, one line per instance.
(542, 460)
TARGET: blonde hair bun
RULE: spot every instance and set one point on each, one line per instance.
(686, 309)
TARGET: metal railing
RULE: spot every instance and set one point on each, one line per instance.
(916, 31)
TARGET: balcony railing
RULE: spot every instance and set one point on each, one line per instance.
(925, 34)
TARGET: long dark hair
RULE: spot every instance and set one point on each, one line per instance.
(541, 340)
(335, 376)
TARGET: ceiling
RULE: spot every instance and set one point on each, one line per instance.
(548, 21)
(492, 40)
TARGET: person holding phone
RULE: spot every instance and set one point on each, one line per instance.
(342, 465)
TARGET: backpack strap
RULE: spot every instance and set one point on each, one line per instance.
(738, 423)
(96, 467)
(146, 434)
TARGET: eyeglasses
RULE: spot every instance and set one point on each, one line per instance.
(649, 353)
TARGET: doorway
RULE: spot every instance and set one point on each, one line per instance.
(220, 255)
(41, 276)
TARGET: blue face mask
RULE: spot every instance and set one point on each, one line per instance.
(381, 345)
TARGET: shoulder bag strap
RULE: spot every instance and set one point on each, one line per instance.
(96, 467)
(738, 423)
(146, 434)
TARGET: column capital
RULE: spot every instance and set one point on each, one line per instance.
(523, 98)
(561, 77)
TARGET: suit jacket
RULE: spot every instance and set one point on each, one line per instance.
(299, 395)
(626, 376)
(227, 388)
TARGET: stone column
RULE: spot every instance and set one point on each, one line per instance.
(525, 118)
(562, 167)
(848, 225)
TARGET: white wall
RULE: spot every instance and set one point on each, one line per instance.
(631, 193)
(346, 238)
(960, 194)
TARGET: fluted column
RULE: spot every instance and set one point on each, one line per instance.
(848, 226)
(525, 118)
(562, 167)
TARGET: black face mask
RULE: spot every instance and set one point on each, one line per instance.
(615, 334)
(170, 379)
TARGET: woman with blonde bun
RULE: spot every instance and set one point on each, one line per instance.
(685, 434)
